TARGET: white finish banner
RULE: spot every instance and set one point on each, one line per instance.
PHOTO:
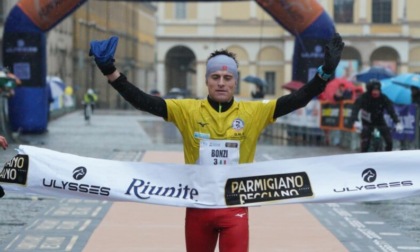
(336, 178)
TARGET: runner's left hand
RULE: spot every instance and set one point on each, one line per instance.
(333, 50)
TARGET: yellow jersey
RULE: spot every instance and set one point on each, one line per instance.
(243, 121)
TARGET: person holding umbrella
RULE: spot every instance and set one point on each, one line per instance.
(415, 95)
(218, 120)
(259, 85)
(259, 93)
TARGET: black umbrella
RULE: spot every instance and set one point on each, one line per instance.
(255, 80)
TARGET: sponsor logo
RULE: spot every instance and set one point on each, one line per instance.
(231, 144)
(316, 53)
(200, 135)
(202, 124)
(16, 170)
(78, 174)
(144, 190)
(369, 175)
(240, 191)
(240, 215)
(238, 124)
(21, 48)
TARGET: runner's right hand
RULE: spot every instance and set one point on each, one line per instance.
(103, 52)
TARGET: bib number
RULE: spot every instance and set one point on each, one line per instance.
(219, 152)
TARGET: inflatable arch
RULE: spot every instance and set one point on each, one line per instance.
(24, 48)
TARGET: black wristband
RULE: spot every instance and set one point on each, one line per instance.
(325, 76)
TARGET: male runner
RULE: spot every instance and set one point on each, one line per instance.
(218, 119)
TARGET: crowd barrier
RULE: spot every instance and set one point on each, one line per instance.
(326, 123)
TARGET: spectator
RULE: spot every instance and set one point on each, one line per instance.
(259, 94)
(3, 142)
(155, 92)
(415, 95)
(342, 93)
(4, 145)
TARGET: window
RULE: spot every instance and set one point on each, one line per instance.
(270, 78)
(343, 11)
(180, 10)
(381, 11)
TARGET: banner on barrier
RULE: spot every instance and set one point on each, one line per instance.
(308, 116)
(337, 178)
(336, 116)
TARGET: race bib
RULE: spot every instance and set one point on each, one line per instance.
(219, 152)
(365, 115)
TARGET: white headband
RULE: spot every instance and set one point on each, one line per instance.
(222, 62)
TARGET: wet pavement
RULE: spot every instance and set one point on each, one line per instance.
(124, 135)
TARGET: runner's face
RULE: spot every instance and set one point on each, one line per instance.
(221, 86)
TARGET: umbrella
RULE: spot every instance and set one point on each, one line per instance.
(408, 79)
(375, 72)
(57, 86)
(255, 80)
(332, 86)
(293, 85)
(396, 93)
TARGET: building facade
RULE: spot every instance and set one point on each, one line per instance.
(5, 7)
(135, 25)
(68, 46)
(188, 32)
(376, 32)
(166, 44)
(59, 50)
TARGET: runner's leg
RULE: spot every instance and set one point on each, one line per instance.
(200, 233)
(234, 231)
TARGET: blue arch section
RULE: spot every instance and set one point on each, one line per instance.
(24, 54)
(308, 53)
(24, 51)
(24, 48)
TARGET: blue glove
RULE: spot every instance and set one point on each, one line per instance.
(103, 51)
